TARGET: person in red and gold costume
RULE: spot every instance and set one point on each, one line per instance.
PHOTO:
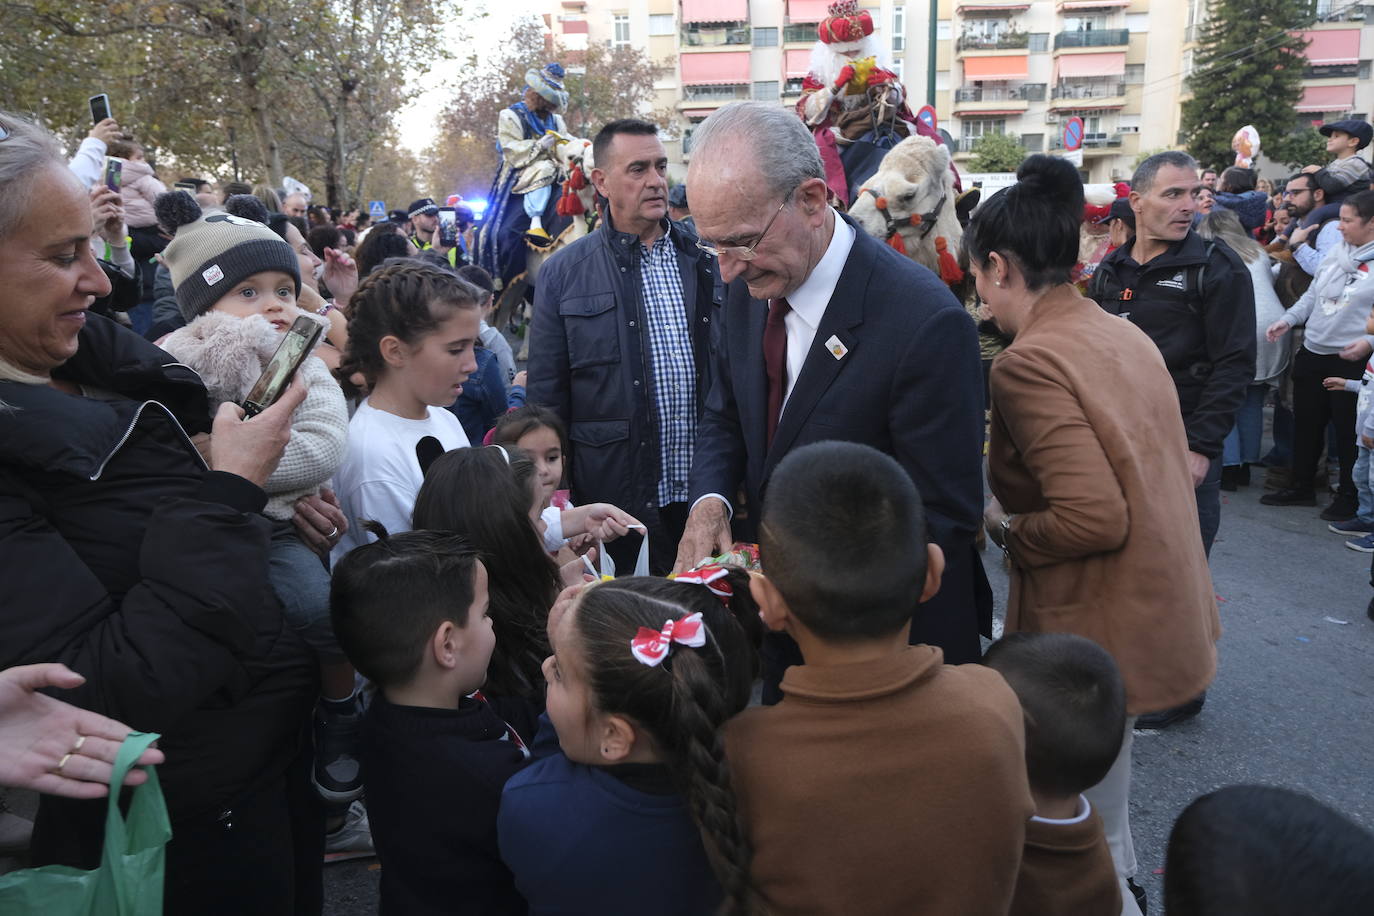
(850, 94)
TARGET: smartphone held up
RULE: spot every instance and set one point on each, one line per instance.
(448, 227)
(294, 350)
(100, 108)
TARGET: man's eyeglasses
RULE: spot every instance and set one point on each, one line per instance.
(740, 251)
(1288, 193)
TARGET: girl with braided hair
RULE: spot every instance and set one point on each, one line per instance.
(644, 674)
(410, 340)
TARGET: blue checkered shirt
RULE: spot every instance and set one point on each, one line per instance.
(670, 355)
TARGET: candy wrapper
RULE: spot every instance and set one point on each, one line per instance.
(742, 556)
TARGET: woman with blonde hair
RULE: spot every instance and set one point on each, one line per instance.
(1242, 446)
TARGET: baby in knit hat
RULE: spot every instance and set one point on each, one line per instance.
(236, 284)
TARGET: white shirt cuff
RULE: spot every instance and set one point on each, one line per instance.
(729, 509)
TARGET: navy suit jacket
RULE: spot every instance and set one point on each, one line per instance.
(910, 385)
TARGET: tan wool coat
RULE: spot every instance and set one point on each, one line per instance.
(1089, 453)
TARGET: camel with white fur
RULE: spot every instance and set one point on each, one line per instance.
(909, 204)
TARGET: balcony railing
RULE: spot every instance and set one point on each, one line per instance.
(709, 38)
(1092, 141)
(799, 32)
(1329, 71)
(1003, 42)
(1071, 91)
(1028, 92)
(715, 93)
(1092, 38)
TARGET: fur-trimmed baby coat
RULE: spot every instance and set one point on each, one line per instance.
(230, 353)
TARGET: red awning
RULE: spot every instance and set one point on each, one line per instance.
(991, 7)
(715, 10)
(806, 10)
(729, 68)
(1330, 48)
(1013, 67)
(1077, 66)
(1088, 105)
(697, 112)
(985, 114)
(796, 63)
(1327, 98)
(1093, 4)
(574, 27)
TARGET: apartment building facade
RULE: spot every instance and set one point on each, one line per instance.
(1000, 66)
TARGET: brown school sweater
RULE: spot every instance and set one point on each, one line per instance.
(891, 787)
(1067, 870)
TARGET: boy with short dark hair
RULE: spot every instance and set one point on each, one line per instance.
(1074, 703)
(410, 611)
(885, 781)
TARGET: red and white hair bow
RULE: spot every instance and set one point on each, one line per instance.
(715, 578)
(652, 648)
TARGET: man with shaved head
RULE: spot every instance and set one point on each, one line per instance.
(828, 334)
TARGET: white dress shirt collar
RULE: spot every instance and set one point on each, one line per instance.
(810, 299)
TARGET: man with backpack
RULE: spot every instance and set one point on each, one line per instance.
(1194, 299)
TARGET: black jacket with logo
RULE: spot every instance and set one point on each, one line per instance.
(1196, 302)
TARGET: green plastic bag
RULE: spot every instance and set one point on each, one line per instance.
(129, 879)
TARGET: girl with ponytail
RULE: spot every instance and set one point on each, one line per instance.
(644, 674)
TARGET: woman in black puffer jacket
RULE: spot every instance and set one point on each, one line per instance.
(130, 559)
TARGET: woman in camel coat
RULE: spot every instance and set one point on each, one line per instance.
(1088, 465)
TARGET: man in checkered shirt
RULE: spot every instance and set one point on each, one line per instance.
(620, 343)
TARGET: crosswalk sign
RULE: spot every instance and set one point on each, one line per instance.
(377, 208)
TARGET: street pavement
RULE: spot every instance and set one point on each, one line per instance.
(1290, 706)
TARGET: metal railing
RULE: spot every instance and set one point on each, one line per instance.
(1092, 141)
(715, 93)
(1027, 92)
(1331, 70)
(708, 38)
(1033, 143)
(1092, 38)
(799, 32)
(1003, 42)
(1071, 91)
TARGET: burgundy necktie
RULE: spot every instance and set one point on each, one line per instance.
(775, 360)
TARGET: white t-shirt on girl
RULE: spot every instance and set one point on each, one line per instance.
(380, 475)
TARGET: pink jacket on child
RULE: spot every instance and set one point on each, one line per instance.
(139, 188)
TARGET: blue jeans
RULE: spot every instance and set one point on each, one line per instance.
(301, 582)
(1208, 494)
(1364, 488)
(1242, 445)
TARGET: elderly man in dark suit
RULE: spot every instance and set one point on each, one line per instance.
(828, 334)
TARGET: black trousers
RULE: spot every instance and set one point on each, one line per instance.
(1314, 407)
(663, 541)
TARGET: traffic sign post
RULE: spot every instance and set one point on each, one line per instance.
(1073, 141)
(927, 116)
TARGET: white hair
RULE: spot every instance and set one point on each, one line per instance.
(776, 139)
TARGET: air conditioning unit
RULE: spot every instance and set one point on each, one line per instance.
(1051, 117)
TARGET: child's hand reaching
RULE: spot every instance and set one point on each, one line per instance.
(602, 521)
(1333, 383)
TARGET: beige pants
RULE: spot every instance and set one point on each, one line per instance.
(1111, 799)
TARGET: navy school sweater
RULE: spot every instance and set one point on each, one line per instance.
(433, 779)
(580, 840)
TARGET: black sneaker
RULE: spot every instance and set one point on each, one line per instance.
(336, 774)
(1139, 893)
(1166, 717)
(1290, 497)
(1342, 509)
(1230, 478)
(1369, 610)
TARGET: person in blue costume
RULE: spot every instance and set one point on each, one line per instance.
(523, 204)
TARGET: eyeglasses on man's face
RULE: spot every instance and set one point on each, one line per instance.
(742, 252)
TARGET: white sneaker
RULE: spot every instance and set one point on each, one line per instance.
(352, 839)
